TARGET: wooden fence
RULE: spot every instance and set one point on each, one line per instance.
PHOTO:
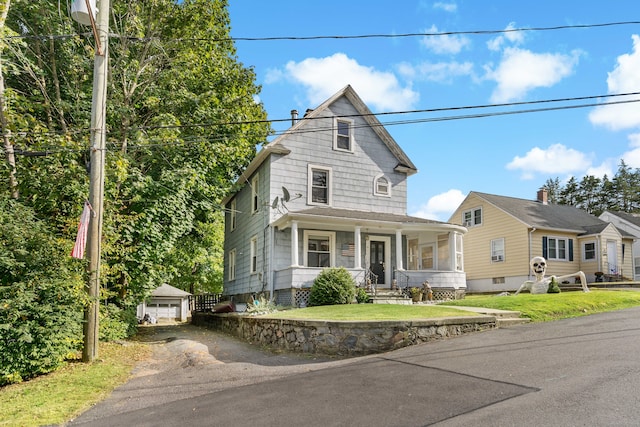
(205, 302)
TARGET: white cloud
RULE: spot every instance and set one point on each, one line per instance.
(441, 206)
(447, 7)
(444, 44)
(624, 78)
(441, 72)
(322, 77)
(551, 161)
(522, 70)
(632, 157)
(513, 37)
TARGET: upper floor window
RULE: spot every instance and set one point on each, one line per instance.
(497, 250)
(319, 185)
(381, 186)
(255, 182)
(254, 255)
(233, 217)
(589, 251)
(231, 273)
(472, 217)
(343, 137)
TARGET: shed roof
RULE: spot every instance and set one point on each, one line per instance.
(166, 290)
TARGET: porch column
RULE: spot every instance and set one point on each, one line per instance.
(399, 263)
(294, 244)
(357, 248)
(452, 250)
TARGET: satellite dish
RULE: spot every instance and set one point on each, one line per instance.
(79, 11)
(274, 204)
(285, 194)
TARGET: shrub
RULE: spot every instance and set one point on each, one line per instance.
(333, 286)
(554, 288)
(116, 323)
(362, 296)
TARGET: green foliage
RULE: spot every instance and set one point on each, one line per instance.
(333, 286)
(261, 305)
(116, 323)
(41, 296)
(554, 287)
(362, 296)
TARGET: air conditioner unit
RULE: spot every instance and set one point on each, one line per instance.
(468, 223)
(497, 258)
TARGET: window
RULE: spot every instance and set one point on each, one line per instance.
(497, 280)
(497, 250)
(254, 255)
(232, 215)
(343, 140)
(412, 249)
(427, 257)
(319, 185)
(232, 264)
(319, 248)
(255, 205)
(589, 251)
(472, 217)
(381, 186)
(557, 248)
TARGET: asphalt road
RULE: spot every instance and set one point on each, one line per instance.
(574, 372)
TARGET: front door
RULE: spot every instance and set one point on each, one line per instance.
(376, 260)
(612, 257)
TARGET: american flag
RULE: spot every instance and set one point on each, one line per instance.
(81, 238)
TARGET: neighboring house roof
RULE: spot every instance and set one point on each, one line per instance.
(166, 290)
(278, 145)
(629, 217)
(538, 215)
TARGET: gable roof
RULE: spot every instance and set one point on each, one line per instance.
(538, 215)
(277, 145)
(629, 217)
(166, 290)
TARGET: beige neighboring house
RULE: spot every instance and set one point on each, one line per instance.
(504, 233)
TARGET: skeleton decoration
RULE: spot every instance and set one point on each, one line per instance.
(541, 284)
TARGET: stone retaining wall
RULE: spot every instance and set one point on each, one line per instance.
(340, 337)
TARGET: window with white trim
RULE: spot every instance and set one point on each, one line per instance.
(232, 265)
(472, 217)
(319, 248)
(497, 250)
(255, 204)
(254, 255)
(233, 218)
(589, 251)
(319, 185)
(343, 135)
(557, 248)
(381, 186)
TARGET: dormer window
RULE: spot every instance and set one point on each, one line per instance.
(381, 186)
(343, 135)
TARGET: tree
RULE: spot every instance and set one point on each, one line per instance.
(553, 190)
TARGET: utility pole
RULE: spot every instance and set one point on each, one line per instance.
(96, 191)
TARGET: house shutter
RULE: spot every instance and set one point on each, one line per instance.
(545, 251)
(570, 249)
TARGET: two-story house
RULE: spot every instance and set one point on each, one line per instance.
(504, 233)
(331, 191)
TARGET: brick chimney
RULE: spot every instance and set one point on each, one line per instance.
(543, 196)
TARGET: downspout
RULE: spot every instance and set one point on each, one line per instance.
(272, 273)
(530, 251)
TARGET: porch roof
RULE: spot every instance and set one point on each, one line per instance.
(337, 218)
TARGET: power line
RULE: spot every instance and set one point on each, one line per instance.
(331, 37)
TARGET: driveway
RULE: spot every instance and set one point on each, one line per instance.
(182, 363)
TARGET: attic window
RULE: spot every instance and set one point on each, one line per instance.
(381, 186)
(472, 217)
(343, 137)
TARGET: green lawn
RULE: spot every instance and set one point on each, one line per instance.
(370, 312)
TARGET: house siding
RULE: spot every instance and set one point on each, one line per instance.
(353, 174)
(481, 270)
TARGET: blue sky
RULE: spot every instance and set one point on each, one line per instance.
(510, 155)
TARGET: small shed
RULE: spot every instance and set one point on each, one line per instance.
(166, 302)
